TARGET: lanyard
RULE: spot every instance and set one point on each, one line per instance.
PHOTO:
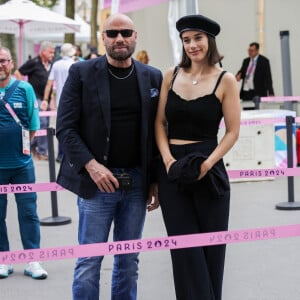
(6, 104)
(12, 113)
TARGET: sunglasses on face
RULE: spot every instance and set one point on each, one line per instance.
(125, 33)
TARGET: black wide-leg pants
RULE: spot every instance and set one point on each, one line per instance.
(198, 272)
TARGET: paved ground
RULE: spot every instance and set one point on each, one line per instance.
(264, 270)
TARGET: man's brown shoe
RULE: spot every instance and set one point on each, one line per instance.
(41, 157)
(33, 153)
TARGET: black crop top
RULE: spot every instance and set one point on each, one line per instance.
(196, 119)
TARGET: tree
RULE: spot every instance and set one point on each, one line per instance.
(45, 3)
(70, 12)
(94, 24)
(8, 41)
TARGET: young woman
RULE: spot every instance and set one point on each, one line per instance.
(195, 96)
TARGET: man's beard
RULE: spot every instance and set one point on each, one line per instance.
(3, 76)
(120, 56)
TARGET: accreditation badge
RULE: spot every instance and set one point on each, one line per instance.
(26, 141)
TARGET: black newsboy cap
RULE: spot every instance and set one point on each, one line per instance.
(198, 23)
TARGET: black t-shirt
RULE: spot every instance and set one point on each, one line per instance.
(125, 104)
(37, 75)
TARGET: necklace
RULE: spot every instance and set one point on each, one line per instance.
(196, 80)
(121, 78)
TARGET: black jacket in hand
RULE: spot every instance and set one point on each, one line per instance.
(187, 170)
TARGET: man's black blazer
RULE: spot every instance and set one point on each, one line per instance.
(263, 85)
(83, 121)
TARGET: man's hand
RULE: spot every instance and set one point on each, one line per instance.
(238, 76)
(102, 176)
(44, 105)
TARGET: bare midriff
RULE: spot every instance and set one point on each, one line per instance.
(182, 142)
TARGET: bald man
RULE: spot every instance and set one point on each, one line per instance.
(105, 124)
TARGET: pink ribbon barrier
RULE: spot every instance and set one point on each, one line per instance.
(41, 132)
(256, 122)
(280, 99)
(48, 113)
(245, 173)
(253, 122)
(257, 173)
(150, 244)
(30, 187)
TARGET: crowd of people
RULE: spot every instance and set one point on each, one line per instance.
(166, 127)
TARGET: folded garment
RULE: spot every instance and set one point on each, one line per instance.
(186, 171)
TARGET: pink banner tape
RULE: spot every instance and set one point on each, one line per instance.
(41, 132)
(246, 173)
(257, 122)
(257, 173)
(253, 122)
(151, 244)
(132, 5)
(280, 99)
(30, 187)
(48, 113)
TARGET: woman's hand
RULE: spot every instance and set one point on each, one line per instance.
(152, 201)
(204, 168)
(169, 163)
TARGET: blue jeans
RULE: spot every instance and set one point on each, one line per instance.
(40, 143)
(29, 224)
(127, 210)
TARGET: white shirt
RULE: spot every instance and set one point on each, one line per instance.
(59, 74)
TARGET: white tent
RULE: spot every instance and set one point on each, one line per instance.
(83, 36)
(24, 18)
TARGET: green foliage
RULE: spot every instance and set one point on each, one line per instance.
(45, 3)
